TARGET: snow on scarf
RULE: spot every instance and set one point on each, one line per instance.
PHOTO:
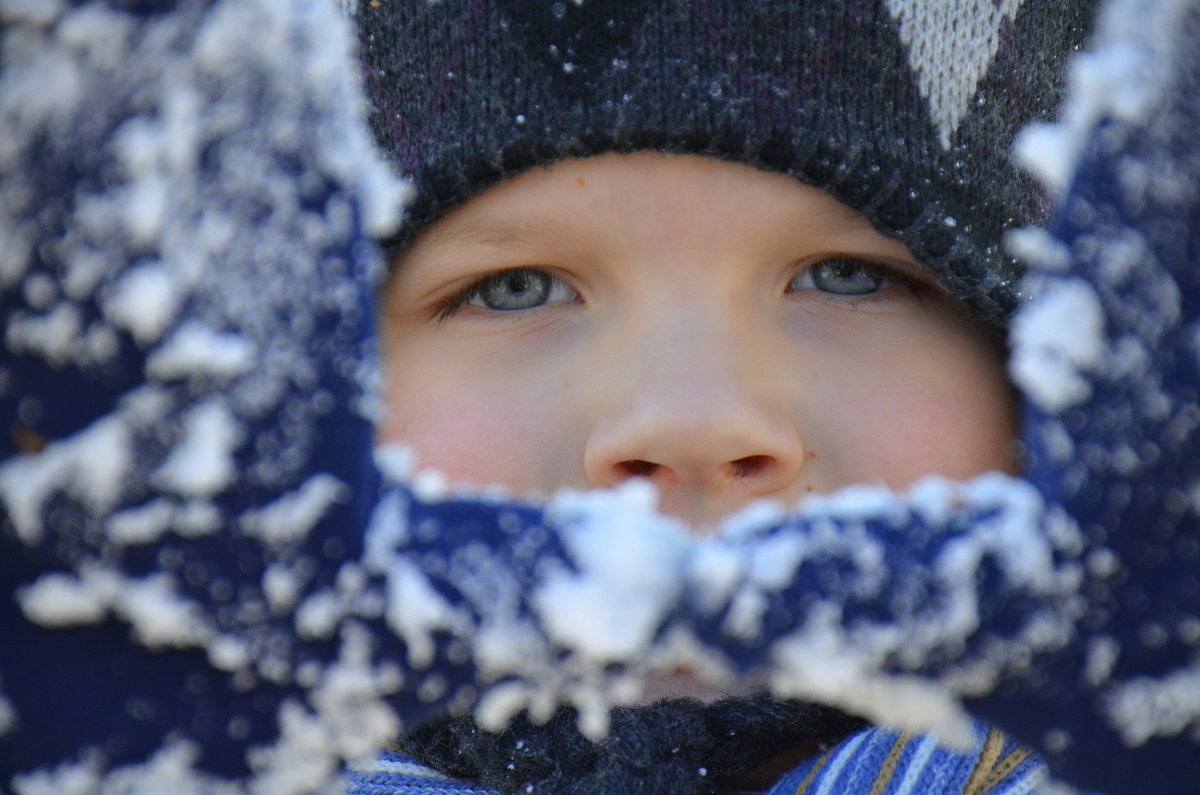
(206, 576)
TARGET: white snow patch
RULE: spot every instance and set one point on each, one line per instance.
(819, 662)
(1036, 246)
(144, 205)
(61, 600)
(201, 463)
(856, 503)
(351, 719)
(197, 518)
(281, 585)
(53, 336)
(1102, 653)
(395, 461)
(144, 300)
(506, 647)
(90, 465)
(1123, 77)
(430, 485)
(160, 150)
(1055, 339)
(774, 560)
(101, 34)
(81, 777)
(386, 531)
(746, 609)
(40, 291)
(714, 570)
(142, 525)
(32, 12)
(318, 615)
(300, 760)
(934, 498)
(500, 703)
(1049, 151)
(1146, 707)
(170, 769)
(27, 101)
(755, 517)
(630, 571)
(415, 610)
(228, 653)
(194, 349)
(349, 699)
(383, 198)
(1118, 259)
(159, 616)
(292, 516)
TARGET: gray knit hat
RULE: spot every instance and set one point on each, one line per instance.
(901, 109)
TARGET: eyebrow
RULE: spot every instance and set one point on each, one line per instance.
(837, 213)
(502, 232)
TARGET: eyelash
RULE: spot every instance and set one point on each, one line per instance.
(894, 275)
(449, 307)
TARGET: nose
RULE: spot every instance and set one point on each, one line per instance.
(699, 417)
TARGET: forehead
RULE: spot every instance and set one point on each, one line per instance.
(637, 189)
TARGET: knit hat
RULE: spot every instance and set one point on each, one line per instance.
(901, 109)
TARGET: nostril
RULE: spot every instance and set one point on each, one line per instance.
(637, 468)
(751, 466)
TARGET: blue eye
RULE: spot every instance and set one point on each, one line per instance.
(513, 290)
(843, 276)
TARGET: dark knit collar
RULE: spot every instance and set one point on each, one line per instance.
(677, 746)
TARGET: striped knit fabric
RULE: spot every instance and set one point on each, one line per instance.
(880, 762)
(873, 762)
(392, 773)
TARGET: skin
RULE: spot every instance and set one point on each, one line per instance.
(694, 337)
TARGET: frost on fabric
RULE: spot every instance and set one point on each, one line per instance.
(189, 190)
(863, 665)
(144, 524)
(89, 466)
(196, 350)
(144, 301)
(293, 515)
(627, 563)
(344, 719)
(1056, 339)
(1144, 708)
(1123, 77)
(416, 610)
(62, 599)
(201, 463)
(171, 769)
(605, 617)
(153, 607)
(818, 663)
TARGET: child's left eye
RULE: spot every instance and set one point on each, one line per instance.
(511, 290)
(843, 276)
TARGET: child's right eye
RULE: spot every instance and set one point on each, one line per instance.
(848, 277)
(509, 291)
(843, 276)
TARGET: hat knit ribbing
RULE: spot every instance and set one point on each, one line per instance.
(901, 109)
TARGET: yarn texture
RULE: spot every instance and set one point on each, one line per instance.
(903, 111)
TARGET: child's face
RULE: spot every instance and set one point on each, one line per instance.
(728, 333)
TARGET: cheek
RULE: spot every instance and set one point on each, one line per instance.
(942, 406)
(466, 421)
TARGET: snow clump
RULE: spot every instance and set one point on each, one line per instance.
(1056, 339)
